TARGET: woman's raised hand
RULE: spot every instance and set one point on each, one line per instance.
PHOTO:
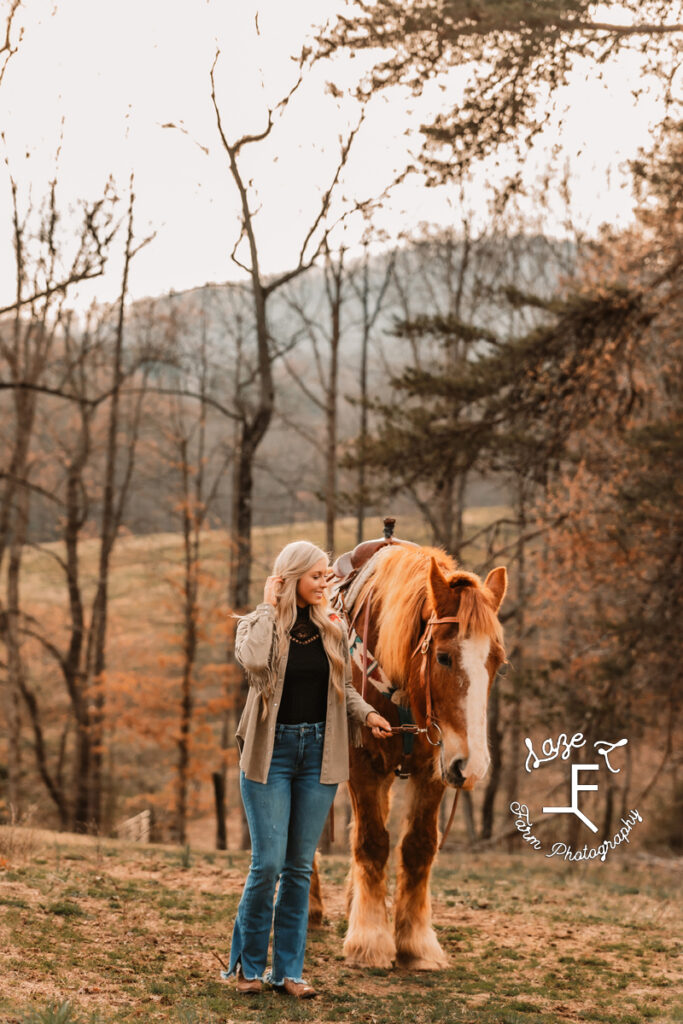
(271, 591)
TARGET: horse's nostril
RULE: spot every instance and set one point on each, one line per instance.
(456, 772)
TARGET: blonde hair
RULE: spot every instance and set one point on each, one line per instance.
(293, 561)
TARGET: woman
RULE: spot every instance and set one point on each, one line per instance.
(293, 742)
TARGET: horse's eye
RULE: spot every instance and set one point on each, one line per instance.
(444, 659)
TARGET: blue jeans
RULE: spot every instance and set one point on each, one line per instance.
(286, 816)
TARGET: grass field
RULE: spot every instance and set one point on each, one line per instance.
(144, 565)
(103, 931)
(144, 652)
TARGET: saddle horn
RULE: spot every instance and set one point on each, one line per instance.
(389, 524)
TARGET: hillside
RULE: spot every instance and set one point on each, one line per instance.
(143, 655)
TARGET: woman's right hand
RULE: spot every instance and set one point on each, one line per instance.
(271, 591)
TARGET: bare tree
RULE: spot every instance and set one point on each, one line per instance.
(323, 331)
(200, 467)
(371, 305)
(255, 412)
(115, 496)
(45, 272)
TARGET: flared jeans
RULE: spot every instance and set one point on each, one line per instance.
(286, 816)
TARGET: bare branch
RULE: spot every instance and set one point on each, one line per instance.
(293, 425)
(523, 540)
(48, 645)
(644, 29)
(309, 326)
(36, 488)
(304, 263)
(181, 128)
(311, 395)
(51, 554)
(186, 393)
(7, 47)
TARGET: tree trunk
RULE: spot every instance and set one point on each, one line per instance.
(240, 568)
(191, 523)
(495, 773)
(458, 522)
(468, 809)
(444, 512)
(362, 440)
(514, 729)
(240, 547)
(15, 665)
(109, 527)
(81, 813)
(13, 522)
(73, 671)
(335, 297)
(219, 779)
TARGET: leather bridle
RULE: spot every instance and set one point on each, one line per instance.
(425, 668)
(431, 723)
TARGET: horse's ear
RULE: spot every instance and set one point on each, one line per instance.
(439, 590)
(497, 582)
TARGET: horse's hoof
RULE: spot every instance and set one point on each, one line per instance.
(421, 963)
(380, 963)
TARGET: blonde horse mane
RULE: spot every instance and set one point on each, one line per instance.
(400, 587)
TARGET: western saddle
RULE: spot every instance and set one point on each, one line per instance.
(351, 561)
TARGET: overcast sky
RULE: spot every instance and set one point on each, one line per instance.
(115, 74)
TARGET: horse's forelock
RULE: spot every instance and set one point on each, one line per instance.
(476, 617)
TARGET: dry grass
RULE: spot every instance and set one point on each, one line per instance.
(144, 636)
(127, 933)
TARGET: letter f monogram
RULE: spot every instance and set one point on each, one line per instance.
(576, 788)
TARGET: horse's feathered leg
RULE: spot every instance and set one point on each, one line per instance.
(316, 906)
(417, 946)
(369, 940)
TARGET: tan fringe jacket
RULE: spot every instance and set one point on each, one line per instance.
(255, 643)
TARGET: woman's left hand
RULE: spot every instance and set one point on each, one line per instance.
(380, 727)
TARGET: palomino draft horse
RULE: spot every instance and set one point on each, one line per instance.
(433, 634)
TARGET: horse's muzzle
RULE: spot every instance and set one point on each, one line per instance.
(454, 775)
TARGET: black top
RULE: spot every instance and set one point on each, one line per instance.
(304, 695)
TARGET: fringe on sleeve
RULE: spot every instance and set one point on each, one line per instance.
(356, 733)
(264, 681)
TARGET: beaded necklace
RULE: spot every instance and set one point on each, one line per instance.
(303, 631)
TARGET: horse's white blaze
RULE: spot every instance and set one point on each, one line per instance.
(454, 747)
(473, 655)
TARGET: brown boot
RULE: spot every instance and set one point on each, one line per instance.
(249, 987)
(298, 989)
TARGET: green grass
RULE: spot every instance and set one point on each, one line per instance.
(121, 934)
